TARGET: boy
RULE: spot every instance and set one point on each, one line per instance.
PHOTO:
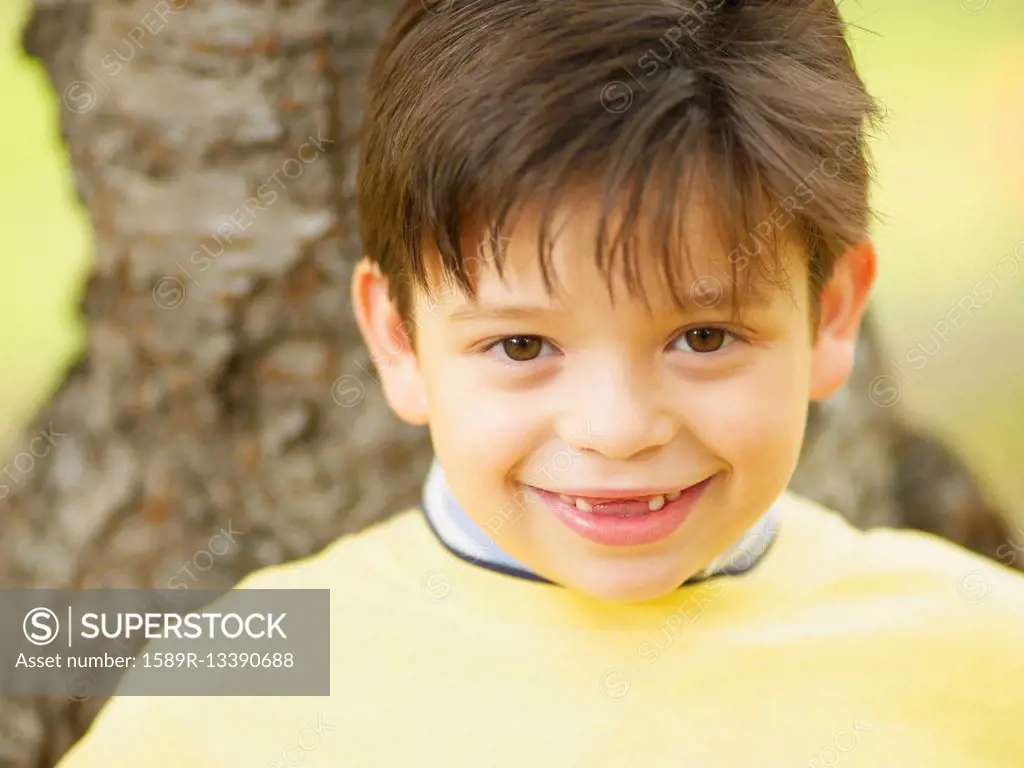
(614, 249)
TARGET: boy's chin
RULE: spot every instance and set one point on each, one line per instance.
(622, 583)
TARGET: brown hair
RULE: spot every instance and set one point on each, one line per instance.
(476, 107)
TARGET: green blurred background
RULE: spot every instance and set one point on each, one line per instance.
(950, 194)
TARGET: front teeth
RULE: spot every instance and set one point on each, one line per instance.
(654, 504)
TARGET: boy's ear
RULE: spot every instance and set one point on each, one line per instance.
(389, 341)
(843, 302)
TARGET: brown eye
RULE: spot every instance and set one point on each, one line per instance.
(522, 349)
(705, 340)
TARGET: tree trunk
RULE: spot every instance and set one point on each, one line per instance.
(223, 415)
(223, 390)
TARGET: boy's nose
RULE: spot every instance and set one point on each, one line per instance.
(616, 417)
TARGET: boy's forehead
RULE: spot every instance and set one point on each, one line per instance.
(707, 272)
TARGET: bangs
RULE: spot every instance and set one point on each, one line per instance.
(749, 117)
(698, 212)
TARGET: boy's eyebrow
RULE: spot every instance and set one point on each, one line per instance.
(704, 294)
(499, 311)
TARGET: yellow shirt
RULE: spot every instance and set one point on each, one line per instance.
(839, 647)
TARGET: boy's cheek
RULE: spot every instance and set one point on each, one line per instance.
(482, 431)
(752, 420)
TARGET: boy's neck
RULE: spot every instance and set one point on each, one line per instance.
(465, 539)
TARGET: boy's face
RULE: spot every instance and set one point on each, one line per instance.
(609, 447)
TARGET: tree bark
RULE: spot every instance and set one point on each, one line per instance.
(223, 387)
(223, 394)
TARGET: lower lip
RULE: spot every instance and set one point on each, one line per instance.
(617, 531)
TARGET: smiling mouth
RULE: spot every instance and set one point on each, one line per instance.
(615, 517)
